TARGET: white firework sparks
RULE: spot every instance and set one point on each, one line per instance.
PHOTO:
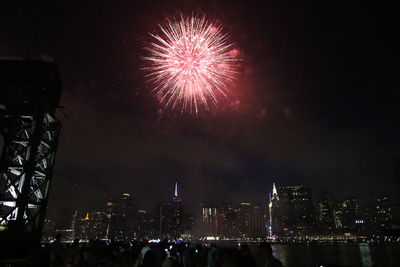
(190, 62)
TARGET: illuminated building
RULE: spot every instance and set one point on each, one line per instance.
(226, 222)
(121, 217)
(146, 225)
(364, 220)
(229, 223)
(126, 209)
(219, 221)
(251, 221)
(383, 214)
(338, 216)
(48, 230)
(127, 216)
(171, 217)
(349, 208)
(66, 234)
(296, 211)
(92, 226)
(112, 219)
(275, 225)
(188, 222)
(326, 213)
(209, 220)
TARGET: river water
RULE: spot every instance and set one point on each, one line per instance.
(338, 254)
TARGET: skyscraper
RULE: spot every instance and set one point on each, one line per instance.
(349, 208)
(127, 215)
(290, 210)
(120, 213)
(146, 226)
(251, 222)
(210, 225)
(383, 214)
(326, 212)
(297, 209)
(228, 221)
(171, 217)
(275, 225)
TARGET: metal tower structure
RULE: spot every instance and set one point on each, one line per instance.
(29, 95)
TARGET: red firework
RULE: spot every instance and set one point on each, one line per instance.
(190, 62)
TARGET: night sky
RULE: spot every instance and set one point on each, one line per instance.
(316, 102)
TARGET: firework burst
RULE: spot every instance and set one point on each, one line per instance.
(191, 62)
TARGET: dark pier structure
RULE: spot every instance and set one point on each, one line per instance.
(29, 95)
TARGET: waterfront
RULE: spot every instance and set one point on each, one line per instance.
(362, 254)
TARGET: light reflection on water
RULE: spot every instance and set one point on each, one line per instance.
(337, 254)
(365, 255)
(282, 254)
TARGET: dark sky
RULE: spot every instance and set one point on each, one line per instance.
(316, 102)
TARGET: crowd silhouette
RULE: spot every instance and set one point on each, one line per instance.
(146, 254)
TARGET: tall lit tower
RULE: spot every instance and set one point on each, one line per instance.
(29, 95)
(273, 208)
(274, 193)
(176, 197)
(172, 216)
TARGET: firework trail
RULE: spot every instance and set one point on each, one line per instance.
(190, 62)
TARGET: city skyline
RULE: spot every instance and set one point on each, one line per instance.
(317, 206)
(315, 198)
(289, 215)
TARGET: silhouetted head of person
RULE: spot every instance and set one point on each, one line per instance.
(245, 248)
(149, 258)
(230, 257)
(265, 246)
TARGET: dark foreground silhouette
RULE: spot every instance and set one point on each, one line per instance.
(145, 254)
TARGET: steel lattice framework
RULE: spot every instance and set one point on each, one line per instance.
(27, 165)
(29, 95)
